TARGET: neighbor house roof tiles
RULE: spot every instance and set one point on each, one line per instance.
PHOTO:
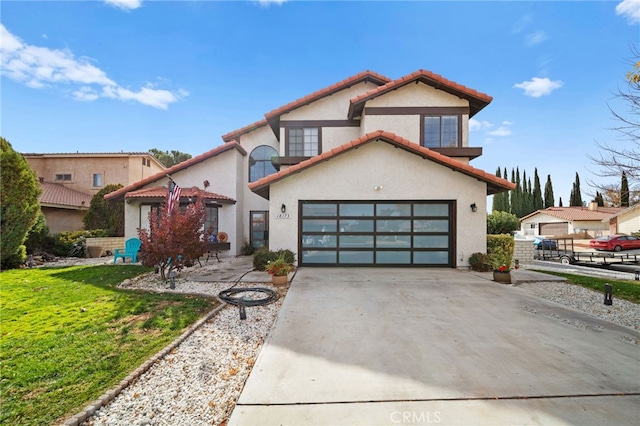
(577, 213)
(57, 195)
(178, 167)
(477, 100)
(494, 183)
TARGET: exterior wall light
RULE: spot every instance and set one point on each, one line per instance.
(283, 208)
(474, 208)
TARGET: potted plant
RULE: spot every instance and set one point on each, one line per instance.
(500, 248)
(279, 270)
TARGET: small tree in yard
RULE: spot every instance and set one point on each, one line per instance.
(175, 237)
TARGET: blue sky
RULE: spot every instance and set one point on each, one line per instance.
(100, 76)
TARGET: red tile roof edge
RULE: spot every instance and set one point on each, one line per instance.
(161, 191)
(350, 81)
(394, 140)
(430, 78)
(246, 129)
(176, 168)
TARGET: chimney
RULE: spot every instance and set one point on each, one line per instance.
(593, 206)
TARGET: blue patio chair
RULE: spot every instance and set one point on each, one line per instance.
(131, 248)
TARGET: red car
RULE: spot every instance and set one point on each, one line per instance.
(615, 243)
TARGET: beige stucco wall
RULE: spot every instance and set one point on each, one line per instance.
(403, 176)
(60, 220)
(334, 107)
(125, 170)
(408, 126)
(333, 137)
(629, 222)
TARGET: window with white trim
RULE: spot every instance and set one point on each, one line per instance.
(97, 179)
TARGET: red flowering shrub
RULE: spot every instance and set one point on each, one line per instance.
(175, 239)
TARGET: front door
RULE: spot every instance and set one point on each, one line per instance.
(259, 229)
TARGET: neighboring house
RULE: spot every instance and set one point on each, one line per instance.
(625, 221)
(85, 173)
(63, 207)
(368, 171)
(555, 221)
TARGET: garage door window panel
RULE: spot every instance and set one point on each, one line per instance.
(393, 257)
(437, 209)
(393, 225)
(356, 225)
(431, 241)
(316, 241)
(356, 257)
(393, 241)
(320, 210)
(356, 210)
(319, 225)
(356, 241)
(319, 257)
(431, 225)
(395, 209)
(431, 257)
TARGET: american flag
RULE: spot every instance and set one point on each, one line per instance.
(174, 195)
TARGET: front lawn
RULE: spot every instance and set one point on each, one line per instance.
(69, 335)
(627, 290)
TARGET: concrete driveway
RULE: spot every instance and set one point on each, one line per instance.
(371, 346)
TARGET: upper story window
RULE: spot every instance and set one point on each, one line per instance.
(260, 162)
(441, 131)
(64, 177)
(303, 142)
(97, 179)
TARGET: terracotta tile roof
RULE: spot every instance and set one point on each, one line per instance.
(57, 195)
(246, 129)
(577, 213)
(161, 192)
(273, 117)
(494, 183)
(477, 100)
(174, 169)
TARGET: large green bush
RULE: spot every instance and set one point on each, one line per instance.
(103, 214)
(19, 201)
(480, 262)
(499, 222)
(65, 241)
(264, 256)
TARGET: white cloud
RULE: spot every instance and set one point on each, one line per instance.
(125, 4)
(475, 125)
(537, 86)
(536, 38)
(267, 3)
(39, 67)
(630, 9)
(501, 131)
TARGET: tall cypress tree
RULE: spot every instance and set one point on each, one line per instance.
(576, 195)
(624, 191)
(549, 199)
(537, 192)
(599, 199)
(560, 202)
(499, 199)
(507, 195)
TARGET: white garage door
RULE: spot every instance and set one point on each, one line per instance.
(368, 233)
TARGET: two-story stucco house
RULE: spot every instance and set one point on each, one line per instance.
(368, 171)
(70, 180)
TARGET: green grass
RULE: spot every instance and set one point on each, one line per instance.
(627, 290)
(69, 335)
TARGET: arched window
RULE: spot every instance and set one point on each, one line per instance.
(260, 162)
